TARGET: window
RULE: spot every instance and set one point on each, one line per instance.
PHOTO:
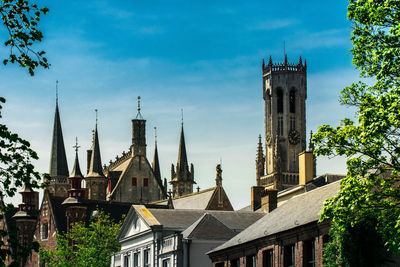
(127, 260)
(136, 259)
(280, 126)
(146, 257)
(235, 263)
(134, 181)
(309, 253)
(268, 258)
(146, 182)
(251, 261)
(45, 231)
(289, 256)
(292, 101)
(292, 123)
(279, 99)
(166, 263)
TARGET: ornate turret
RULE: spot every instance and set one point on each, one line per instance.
(95, 180)
(182, 179)
(26, 217)
(260, 170)
(138, 134)
(58, 185)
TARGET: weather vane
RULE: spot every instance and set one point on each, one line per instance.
(96, 116)
(76, 145)
(155, 134)
(181, 116)
(57, 91)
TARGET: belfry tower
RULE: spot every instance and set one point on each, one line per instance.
(285, 94)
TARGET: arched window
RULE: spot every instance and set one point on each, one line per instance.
(292, 101)
(279, 94)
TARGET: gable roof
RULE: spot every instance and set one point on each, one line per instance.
(197, 201)
(289, 215)
(208, 227)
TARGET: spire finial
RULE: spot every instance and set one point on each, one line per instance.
(182, 116)
(57, 91)
(284, 48)
(96, 116)
(311, 143)
(76, 145)
(139, 115)
(155, 134)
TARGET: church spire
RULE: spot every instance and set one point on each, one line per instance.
(76, 171)
(182, 165)
(95, 168)
(58, 159)
(260, 170)
(156, 163)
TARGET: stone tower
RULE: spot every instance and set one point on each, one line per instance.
(182, 179)
(96, 182)
(58, 185)
(285, 94)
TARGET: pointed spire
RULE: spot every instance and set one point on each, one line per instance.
(95, 168)
(270, 61)
(156, 163)
(182, 164)
(311, 143)
(300, 61)
(286, 61)
(58, 159)
(263, 65)
(305, 63)
(260, 152)
(76, 171)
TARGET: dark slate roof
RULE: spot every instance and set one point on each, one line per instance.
(182, 219)
(297, 211)
(58, 159)
(76, 171)
(208, 227)
(95, 169)
(115, 209)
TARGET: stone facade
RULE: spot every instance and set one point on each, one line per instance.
(284, 94)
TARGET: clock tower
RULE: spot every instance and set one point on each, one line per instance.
(285, 94)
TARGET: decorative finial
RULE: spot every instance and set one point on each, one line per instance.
(155, 134)
(57, 91)
(96, 116)
(263, 65)
(182, 116)
(139, 115)
(300, 61)
(76, 145)
(284, 48)
(311, 143)
(270, 61)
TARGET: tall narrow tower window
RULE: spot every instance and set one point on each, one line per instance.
(292, 101)
(280, 100)
(280, 126)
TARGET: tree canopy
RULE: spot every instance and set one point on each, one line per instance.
(83, 245)
(366, 212)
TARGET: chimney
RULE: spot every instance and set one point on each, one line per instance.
(306, 167)
(256, 195)
(269, 201)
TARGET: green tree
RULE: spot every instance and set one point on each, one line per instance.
(20, 19)
(366, 212)
(83, 245)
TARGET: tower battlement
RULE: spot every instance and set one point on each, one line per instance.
(284, 67)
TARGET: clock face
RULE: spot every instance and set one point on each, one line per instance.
(294, 137)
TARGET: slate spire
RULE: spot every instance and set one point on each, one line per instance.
(76, 171)
(182, 165)
(58, 159)
(95, 168)
(156, 163)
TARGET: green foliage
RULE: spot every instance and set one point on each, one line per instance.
(366, 212)
(21, 18)
(85, 245)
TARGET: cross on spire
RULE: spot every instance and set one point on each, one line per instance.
(56, 91)
(181, 116)
(96, 116)
(155, 134)
(76, 145)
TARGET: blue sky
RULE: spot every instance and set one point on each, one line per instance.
(202, 56)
